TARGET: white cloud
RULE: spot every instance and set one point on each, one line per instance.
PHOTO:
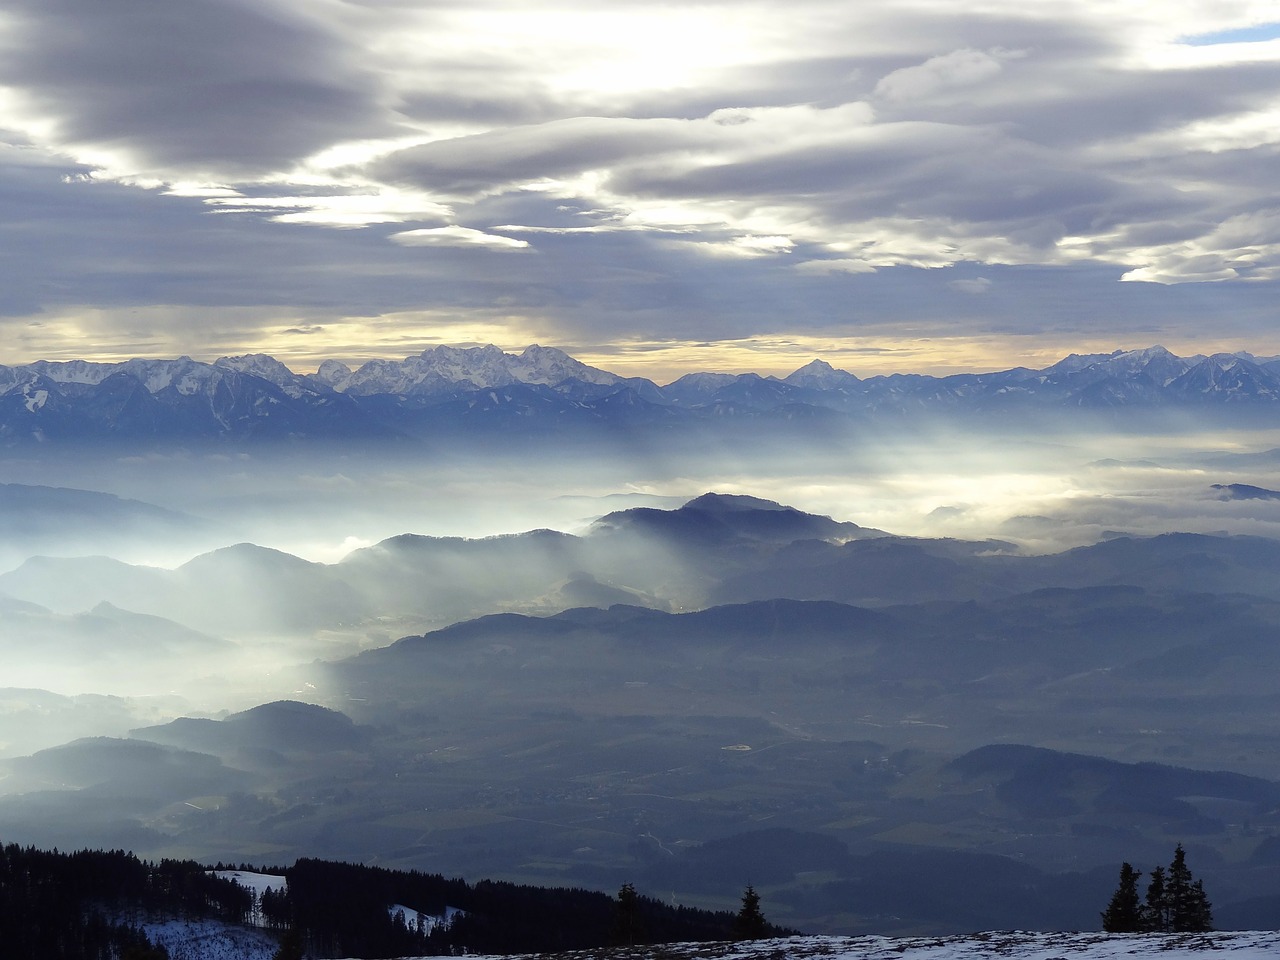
(973, 285)
(456, 236)
(1245, 246)
(737, 247)
(386, 205)
(825, 267)
(958, 69)
(760, 246)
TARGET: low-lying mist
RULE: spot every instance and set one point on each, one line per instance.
(914, 478)
(971, 586)
(118, 580)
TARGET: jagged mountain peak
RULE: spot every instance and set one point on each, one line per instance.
(1079, 361)
(1154, 365)
(438, 369)
(1228, 360)
(820, 375)
(537, 350)
(447, 350)
(817, 365)
(1146, 353)
(551, 365)
(331, 369)
(259, 365)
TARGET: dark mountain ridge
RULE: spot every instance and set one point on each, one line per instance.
(715, 549)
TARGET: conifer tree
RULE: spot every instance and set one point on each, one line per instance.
(1155, 912)
(1124, 912)
(1177, 888)
(1199, 917)
(627, 929)
(750, 924)
(290, 946)
(1175, 902)
(1189, 910)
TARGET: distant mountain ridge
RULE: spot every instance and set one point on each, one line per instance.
(543, 389)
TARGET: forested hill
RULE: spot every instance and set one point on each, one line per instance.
(91, 904)
(94, 905)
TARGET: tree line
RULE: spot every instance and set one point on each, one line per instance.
(630, 929)
(1175, 901)
(341, 909)
(92, 904)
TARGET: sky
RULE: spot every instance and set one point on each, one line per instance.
(655, 187)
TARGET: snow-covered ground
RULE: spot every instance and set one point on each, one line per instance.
(210, 940)
(429, 921)
(257, 882)
(1007, 945)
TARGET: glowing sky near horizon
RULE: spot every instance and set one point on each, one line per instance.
(656, 188)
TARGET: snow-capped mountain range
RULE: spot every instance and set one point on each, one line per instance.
(444, 368)
(448, 388)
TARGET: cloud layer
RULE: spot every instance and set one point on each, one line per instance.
(636, 174)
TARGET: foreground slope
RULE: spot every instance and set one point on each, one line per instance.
(1008, 945)
(200, 942)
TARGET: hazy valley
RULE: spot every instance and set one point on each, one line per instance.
(860, 658)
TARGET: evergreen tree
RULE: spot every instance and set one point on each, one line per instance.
(1175, 902)
(750, 924)
(1189, 910)
(144, 951)
(627, 929)
(1155, 912)
(1199, 917)
(290, 946)
(1177, 889)
(1124, 912)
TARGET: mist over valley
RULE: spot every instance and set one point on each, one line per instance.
(529, 468)
(850, 662)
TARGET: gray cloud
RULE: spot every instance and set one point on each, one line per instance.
(673, 173)
(227, 277)
(227, 88)
(560, 148)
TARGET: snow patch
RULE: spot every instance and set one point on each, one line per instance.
(1006, 945)
(257, 882)
(34, 399)
(210, 940)
(429, 921)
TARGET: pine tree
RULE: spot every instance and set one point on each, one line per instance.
(1199, 917)
(1155, 912)
(290, 946)
(750, 924)
(1177, 889)
(1124, 912)
(1175, 902)
(1189, 910)
(626, 928)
